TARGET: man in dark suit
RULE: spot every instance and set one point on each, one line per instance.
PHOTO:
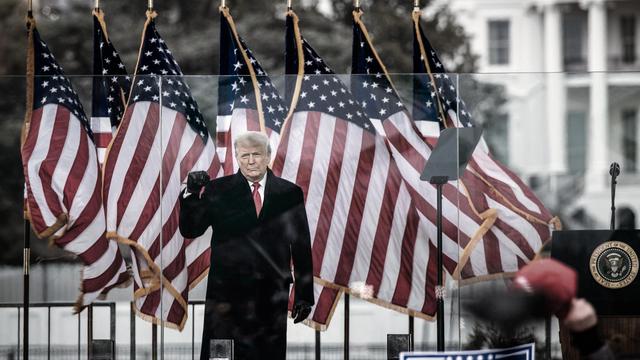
(260, 229)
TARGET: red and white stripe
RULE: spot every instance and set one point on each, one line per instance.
(514, 192)
(102, 135)
(63, 183)
(229, 127)
(144, 171)
(363, 224)
(511, 241)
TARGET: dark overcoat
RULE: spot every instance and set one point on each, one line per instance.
(251, 257)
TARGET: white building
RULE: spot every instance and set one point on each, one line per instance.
(570, 69)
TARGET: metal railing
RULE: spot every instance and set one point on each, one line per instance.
(49, 306)
(76, 351)
(174, 351)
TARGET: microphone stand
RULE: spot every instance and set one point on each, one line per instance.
(615, 170)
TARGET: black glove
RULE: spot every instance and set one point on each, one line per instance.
(196, 180)
(300, 311)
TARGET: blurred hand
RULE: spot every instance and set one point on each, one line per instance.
(300, 311)
(581, 316)
(196, 180)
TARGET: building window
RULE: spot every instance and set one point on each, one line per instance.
(629, 143)
(576, 141)
(499, 42)
(628, 32)
(573, 46)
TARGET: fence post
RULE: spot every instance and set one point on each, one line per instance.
(154, 342)
(346, 326)
(318, 345)
(112, 332)
(48, 332)
(193, 331)
(132, 334)
(411, 326)
(79, 329)
(89, 330)
(19, 316)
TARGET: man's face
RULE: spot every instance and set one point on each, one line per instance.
(252, 161)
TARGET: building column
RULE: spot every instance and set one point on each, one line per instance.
(598, 144)
(556, 97)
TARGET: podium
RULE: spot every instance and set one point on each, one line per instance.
(607, 264)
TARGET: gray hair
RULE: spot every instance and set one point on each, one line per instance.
(252, 138)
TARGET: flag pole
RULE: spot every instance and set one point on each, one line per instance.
(26, 252)
(25, 294)
(416, 5)
(356, 5)
(96, 5)
(150, 5)
(223, 4)
(289, 6)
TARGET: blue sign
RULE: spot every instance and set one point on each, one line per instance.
(522, 352)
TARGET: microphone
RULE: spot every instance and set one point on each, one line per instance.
(614, 170)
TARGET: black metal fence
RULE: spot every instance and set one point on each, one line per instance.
(174, 350)
(183, 352)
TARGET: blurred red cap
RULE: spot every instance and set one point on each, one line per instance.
(556, 282)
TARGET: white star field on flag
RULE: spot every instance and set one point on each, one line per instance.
(159, 79)
(51, 86)
(322, 91)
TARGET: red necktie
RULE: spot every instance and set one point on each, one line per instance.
(256, 197)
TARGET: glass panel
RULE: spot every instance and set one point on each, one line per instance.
(517, 209)
(562, 168)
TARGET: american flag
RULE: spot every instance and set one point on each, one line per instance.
(247, 99)
(463, 224)
(524, 224)
(162, 137)
(111, 86)
(362, 220)
(439, 90)
(509, 239)
(62, 174)
(244, 85)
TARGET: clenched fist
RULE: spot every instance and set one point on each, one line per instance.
(196, 180)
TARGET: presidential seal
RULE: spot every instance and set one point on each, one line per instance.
(614, 264)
